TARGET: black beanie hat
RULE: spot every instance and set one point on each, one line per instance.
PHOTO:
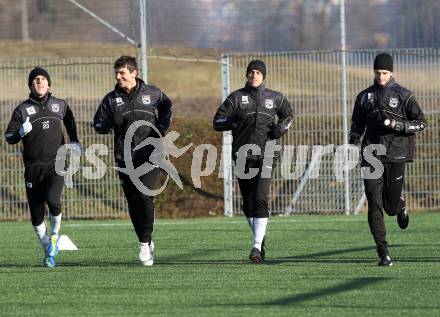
(37, 71)
(383, 61)
(256, 65)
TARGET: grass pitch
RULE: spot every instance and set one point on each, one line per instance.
(316, 266)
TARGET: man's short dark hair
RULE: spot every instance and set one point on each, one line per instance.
(126, 61)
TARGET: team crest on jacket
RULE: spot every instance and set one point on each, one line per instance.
(30, 110)
(245, 100)
(268, 103)
(146, 99)
(55, 107)
(394, 102)
(119, 101)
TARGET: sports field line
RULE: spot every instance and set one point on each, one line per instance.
(204, 221)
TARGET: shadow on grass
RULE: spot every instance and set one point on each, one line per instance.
(355, 284)
(320, 256)
(69, 264)
(192, 257)
(299, 300)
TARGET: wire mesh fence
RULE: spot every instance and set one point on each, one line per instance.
(312, 82)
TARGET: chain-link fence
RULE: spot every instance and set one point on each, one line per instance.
(312, 81)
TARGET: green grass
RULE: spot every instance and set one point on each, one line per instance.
(317, 266)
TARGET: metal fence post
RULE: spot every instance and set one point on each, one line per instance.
(345, 107)
(227, 144)
(144, 34)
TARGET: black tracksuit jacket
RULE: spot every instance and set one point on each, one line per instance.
(376, 104)
(41, 144)
(251, 114)
(118, 110)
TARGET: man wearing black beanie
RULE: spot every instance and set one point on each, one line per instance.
(251, 113)
(256, 65)
(383, 61)
(38, 71)
(37, 122)
(388, 117)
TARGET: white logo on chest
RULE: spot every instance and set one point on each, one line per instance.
(268, 103)
(119, 101)
(31, 110)
(394, 102)
(55, 107)
(146, 99)
(244, 100)
(45, 125)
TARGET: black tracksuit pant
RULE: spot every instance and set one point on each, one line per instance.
(43, 186)
(140, 206)
(384, 193)
(255, 191)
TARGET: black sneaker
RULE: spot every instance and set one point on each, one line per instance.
(255, 256)
(263, 249)
(385, 261)
(384, 256)
(403, 219)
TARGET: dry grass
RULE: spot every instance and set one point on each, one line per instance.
(44, 49)
(194, 86)
(192, 77)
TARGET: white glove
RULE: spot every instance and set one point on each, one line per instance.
(25, 128)
(76, 148)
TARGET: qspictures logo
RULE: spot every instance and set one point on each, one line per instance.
(205, 160)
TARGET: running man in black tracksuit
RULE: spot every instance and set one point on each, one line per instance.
(251, 113)
(131, 101)
(37, 121)
(387, 114)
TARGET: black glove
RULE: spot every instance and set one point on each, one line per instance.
(276, 132)
(101, 127)
(354, 139)
(394, 125)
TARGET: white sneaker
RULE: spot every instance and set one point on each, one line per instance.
(146, 254)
